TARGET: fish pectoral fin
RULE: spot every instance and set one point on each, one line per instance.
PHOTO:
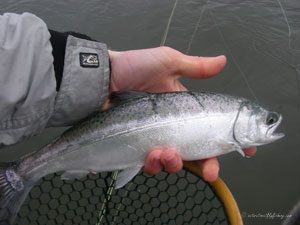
(240, 150)
(74, 174)
(237, 148)
(231, 146)
(126, 175)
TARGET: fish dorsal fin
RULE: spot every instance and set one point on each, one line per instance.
(121, 96)
(74, 174)
(126, 175)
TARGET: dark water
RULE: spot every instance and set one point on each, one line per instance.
(261, 40)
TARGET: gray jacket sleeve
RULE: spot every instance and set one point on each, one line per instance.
(29, 101)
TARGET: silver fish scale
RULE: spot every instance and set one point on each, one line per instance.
(137, 113)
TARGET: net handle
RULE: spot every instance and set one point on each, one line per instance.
(223, 192)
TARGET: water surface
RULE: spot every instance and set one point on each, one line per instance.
(261, 42)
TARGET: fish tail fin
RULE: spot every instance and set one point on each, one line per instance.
(13, 191)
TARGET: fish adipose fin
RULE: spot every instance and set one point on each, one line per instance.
(74, 174)
(126, 175)
(121, 96)
(13, 191)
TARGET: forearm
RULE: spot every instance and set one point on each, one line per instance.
(42, 80)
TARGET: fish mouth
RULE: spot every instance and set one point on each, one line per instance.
(270, 132)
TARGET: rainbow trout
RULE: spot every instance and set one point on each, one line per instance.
(198, 125)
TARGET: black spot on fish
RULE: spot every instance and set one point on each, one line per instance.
(196, 98)
(153, 100)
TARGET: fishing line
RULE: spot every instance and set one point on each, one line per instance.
(110, 189)
(287, 22)
(196, 29)
(297, 74)
(163, 41)
(121, 203)
(104, 207)
(233, 58)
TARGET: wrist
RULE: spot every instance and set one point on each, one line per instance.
(113, 57)
(106, 103)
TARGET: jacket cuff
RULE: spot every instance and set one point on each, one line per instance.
(59, 41)
(85, 81)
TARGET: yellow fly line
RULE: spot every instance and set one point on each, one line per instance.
(222, 191)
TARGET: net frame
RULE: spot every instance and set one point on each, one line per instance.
(223, 192)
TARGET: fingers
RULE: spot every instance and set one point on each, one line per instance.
(160, 157)
(200, 67)
(168, 158)
(171, 160)
(250, 151)
(209, 169)
(179, 86)
(153, 164)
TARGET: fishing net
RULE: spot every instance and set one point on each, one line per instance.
(182, 198)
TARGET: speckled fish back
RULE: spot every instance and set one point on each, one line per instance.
(155, 107)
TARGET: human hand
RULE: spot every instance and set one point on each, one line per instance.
(166, 156)
(158, 70)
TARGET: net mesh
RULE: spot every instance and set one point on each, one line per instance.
(182, 198)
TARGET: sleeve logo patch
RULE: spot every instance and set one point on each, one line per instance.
(88, 60)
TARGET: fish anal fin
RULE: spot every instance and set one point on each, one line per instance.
(126, 175)
(74, 174)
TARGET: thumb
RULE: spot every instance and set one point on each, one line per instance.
(200, 67)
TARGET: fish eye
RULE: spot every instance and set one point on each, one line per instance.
(272, 118)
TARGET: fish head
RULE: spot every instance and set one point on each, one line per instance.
(255, 125)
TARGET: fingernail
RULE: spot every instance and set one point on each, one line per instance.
(220, 56)
(172, 160)
(210, 173)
